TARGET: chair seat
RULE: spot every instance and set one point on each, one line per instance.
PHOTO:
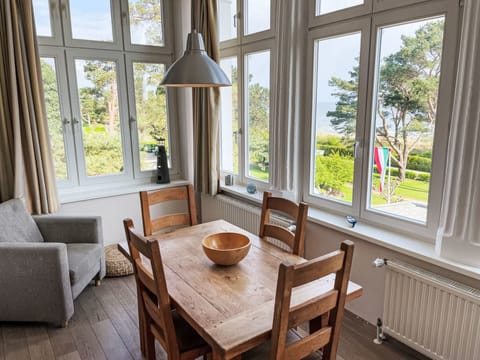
(82, 258)
(188, 339)
(262, 352)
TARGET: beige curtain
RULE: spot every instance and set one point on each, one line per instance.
(205, 105)
(26, 165)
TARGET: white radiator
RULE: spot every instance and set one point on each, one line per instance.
(239, 213)
(430, 313)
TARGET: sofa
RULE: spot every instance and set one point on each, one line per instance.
(46, 262)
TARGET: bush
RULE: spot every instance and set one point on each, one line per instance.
(419, 163)
(423, 177)
(335, 149)
(332, 172)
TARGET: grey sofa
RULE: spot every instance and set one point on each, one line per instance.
(45, 263)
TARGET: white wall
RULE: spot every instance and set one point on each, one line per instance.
(320, 240)
(112, 210)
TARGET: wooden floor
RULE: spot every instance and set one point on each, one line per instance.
(105, 327)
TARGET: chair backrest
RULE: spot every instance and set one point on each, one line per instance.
(297, 212)
(148, 199)
(331, 303)
(153, 288)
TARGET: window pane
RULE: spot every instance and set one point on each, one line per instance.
(227, 19)
(146, 22)
(258, 113)
(97, 89)
(335, 115)
(91, 20)
(258, 16)
(327, 6)
(43, 24)
(151, 108)
(229, 117)
(408, 74)
(55, 128)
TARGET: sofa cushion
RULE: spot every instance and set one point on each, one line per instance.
(16, 224)
(82, 258)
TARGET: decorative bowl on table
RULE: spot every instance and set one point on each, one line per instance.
(226, 248)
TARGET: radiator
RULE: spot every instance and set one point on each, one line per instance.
(239, 213)
(436, 316)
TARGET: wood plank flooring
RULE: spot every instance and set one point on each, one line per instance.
(104, 326)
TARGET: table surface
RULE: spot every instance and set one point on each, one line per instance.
(231, 307)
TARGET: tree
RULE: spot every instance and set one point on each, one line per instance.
(148, 13)
(258, 123)
(407, 94)
(345, 114)
(50, 91)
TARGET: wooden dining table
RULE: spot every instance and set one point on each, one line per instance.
(231, 307)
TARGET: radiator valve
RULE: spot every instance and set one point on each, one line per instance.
(380, 335)
(379, 262)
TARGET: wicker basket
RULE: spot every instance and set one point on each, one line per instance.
(116, 263)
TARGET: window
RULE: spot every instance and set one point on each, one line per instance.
(105, 107)
(247, 56)
(379, 110)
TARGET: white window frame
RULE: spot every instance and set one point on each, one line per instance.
(55, 25)
(171, 113)
(167, 33)
(339, 15)
(65, 50)
(239, 48)
(361, 25)
(58, 54)
(105, 55)
(396, 14)
(116, 44)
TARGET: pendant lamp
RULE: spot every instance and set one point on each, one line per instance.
(195, 68)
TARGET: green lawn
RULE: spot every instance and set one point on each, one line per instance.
(257, 173)
(413, 190)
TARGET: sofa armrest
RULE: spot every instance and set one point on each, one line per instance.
(71, 229)
(34, 277)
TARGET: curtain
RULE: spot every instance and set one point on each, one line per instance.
(206, 105)
(458, 237)
(26, 165)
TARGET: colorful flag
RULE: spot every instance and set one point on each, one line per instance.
(381, 161)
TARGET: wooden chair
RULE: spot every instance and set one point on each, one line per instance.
(294, 236)
(285, 342)
(158, 320)
(148, 199)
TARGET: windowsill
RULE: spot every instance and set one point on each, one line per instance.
(99, 192)
(403, 244)
(415, 248)
(240, 191)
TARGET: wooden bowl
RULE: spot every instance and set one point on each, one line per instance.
(226, 248)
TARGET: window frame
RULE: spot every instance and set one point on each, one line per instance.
(116, 43)
(166, 48)
(54, 8)
(101, 55)
(339, 15)
(362, 187)
(361, 25)
(239, 47)
(65, 51)
(132, 118)
(58, 54)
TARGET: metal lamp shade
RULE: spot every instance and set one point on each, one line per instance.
(195, 68)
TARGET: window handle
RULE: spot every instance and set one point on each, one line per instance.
(132, 120)
(75, 121)
(356, 145)
(235, 18)
(66, 121)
